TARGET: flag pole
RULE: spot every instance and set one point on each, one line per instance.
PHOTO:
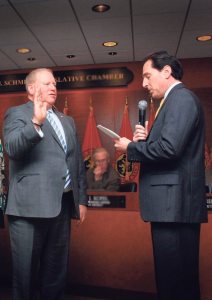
(91, 113)
(127, 175)
(65, 109)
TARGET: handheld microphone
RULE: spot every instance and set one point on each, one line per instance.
(142, 105)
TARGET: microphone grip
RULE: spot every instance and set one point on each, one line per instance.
(142, 117)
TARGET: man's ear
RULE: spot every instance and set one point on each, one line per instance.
(167, 71)
(31, 89)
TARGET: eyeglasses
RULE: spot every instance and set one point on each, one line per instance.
(100, 161)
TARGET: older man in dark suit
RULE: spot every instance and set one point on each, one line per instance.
(47, 187)
(172, 181)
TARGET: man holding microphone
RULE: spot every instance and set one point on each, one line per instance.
(172, 181)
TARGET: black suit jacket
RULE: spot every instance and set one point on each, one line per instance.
(38, 165)
(172, 174)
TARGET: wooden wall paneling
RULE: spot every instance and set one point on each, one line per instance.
(205, 96)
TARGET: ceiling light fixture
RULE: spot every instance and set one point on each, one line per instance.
(23, 50)
(204, 38)
(101, 8)
(70, 56)
(31, 58)
(110, 44)
(112, 53)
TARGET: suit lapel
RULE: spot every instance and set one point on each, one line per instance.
(180, 85)
(51, 130)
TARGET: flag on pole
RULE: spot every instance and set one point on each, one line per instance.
(65, 109)
(208, 162)
(151, 114)
(128, 171)
(91, 139)
(3, 192)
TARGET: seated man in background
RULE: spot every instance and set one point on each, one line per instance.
(102, 176)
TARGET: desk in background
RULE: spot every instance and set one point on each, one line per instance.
(209, 201)
(118, 200)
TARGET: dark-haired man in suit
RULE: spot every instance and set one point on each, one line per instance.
(172, 181)
(47, 187)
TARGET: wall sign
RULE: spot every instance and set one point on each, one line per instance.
(73, 79)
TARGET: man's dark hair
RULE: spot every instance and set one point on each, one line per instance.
(161, 59)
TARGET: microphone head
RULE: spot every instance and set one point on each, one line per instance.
(142, 104)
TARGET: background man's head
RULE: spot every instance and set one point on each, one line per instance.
(101, 158)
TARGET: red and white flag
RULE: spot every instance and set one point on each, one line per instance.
(91, 139)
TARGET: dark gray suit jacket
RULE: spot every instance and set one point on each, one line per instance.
(38, 165)
(172, 174)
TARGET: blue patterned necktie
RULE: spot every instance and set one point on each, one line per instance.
(57, 130)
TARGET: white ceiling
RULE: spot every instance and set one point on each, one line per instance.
(54, 28)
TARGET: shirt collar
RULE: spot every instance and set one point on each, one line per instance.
(170, 88)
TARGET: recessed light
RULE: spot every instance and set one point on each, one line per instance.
(112, 53)
(100, 8)
(31, 58)
(204, 38)
(110, 44)
(70, 56)
(23, 50)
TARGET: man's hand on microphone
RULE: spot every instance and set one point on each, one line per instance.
(122, 143)
(140, 133)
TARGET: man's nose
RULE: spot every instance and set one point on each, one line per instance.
(145, 83)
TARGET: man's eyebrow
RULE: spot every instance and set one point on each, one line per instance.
(145, 74)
